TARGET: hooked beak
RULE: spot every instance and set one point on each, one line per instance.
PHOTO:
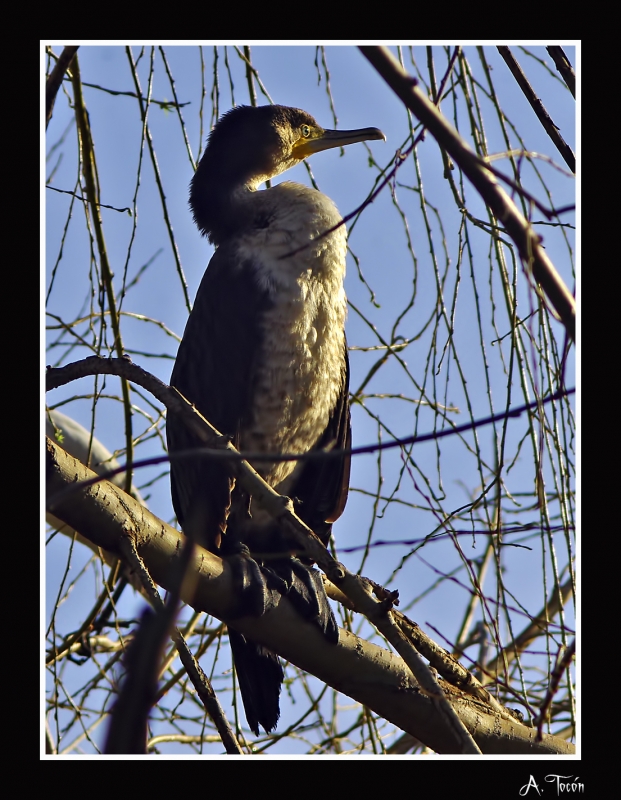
(320, 139)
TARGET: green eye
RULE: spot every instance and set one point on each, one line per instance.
(305, 131)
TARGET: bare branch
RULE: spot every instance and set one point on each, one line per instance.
(55, 79)
(538, 107)
(359, 669)
(522, 233)
(563, 65)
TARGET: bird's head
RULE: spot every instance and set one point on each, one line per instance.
(251, 144)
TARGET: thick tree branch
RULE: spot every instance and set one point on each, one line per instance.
(281, 509)
(359, 669)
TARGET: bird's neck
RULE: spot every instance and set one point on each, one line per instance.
(222, 208)
(223, 197)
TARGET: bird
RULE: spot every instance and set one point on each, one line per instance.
(264, 358)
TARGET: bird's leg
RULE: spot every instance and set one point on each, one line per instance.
(301, 584)
(308, 596)
(254, 595)
(259, 554)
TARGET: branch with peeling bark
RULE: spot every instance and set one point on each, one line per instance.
(405, 692)
(367, 673)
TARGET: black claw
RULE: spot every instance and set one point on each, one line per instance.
(275, 581)
(254, 596)
(258, 585)
(311, 592)
(304, 588)
(325, 618)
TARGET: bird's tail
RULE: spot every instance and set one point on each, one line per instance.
(260, 677)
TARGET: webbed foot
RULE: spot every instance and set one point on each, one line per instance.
(303, 586)
(254, 596)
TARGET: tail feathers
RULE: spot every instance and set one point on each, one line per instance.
(260, 677)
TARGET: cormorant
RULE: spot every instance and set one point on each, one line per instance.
(264, 359)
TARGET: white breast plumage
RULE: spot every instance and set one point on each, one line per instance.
(302, 359)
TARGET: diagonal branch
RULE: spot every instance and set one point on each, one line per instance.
(563, 65)
(54, 82)
(525, 237)
(538, 107)
(367, 673)
(281, 509)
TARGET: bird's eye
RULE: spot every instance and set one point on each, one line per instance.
(305, 131)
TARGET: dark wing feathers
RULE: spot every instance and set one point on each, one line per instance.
(214, 370)
(222, 391)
